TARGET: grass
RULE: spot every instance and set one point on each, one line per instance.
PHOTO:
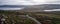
(13, 18)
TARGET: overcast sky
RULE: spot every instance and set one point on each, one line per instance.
(28, 2)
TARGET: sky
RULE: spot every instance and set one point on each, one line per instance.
(28, 2)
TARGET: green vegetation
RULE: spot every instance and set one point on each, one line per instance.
(13, 18)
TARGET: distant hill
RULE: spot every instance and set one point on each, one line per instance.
(52, 6)
(11, 6)
(39, 8)
(35, 8)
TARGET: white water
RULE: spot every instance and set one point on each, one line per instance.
(11, 8)
(52, 10)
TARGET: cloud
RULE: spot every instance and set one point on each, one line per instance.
(28, 2)
(53, 1)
